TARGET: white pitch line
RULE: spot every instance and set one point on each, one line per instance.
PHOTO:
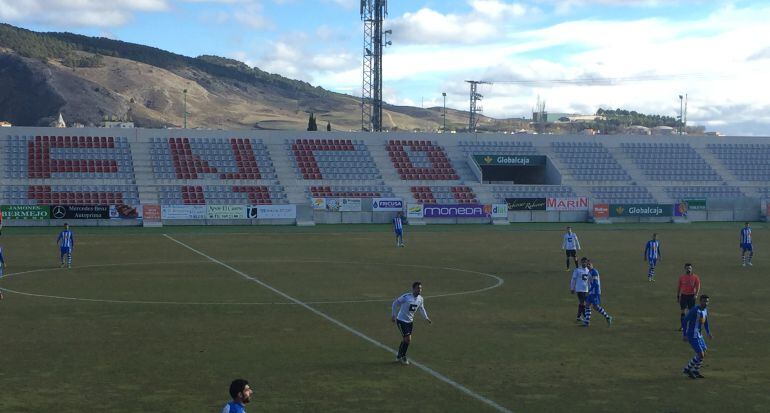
(314, 301)
(434, 373)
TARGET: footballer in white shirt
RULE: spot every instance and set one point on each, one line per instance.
(579, 284)
(570, 244)
(402, 313)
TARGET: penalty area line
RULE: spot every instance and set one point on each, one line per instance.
(434, 373)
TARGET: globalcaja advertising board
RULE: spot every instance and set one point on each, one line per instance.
(641, 210)
(509, 160)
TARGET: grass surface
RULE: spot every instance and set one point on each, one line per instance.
(159, 328)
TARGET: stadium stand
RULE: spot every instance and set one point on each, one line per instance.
(748, 162)
(331, 159)
(68, 157)
(445, 195)
(589, 161)
(194, 167)
(498, 148)
(703, 192)
(500, 192)
(670, 162)
(621, 194)
(337, 191)
(420, 160)
(211, 158)
(221, 195)
(71, 195)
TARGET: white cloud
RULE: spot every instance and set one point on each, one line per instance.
(345, 4)
(252, 15)
(80, 13)
(718, 60)
(487, 20)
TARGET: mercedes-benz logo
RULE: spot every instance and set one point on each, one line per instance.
(58, 212)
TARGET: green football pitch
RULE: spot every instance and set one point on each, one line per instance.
(161, 320)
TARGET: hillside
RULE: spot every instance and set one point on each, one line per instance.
(88, 78)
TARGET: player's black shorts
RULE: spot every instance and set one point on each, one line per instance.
(581, 297)
(571, 253)
(404, 328)
(686, 301)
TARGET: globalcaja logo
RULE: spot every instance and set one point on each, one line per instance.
(619, 210)
(513, 160)
(415, 209)
(488, 159)
(645, 210)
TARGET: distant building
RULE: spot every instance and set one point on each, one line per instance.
(663, 130)
(117, 124)
(564, 117)
(4, 124)
(638, 130)
(59, 123)
(714, 134)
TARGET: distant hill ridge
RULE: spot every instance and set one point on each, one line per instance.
(88, 78)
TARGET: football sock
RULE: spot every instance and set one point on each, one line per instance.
(743, 258)
(651, 273)
(406, 347)
(681, 321)
(694, 363)
(567, 263)
(69, 259)
(401, 350)
(602, 311)
(581, 310)
(588, 314)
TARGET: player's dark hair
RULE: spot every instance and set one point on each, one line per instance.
(415, 284)
(688, 265)
(584, 259)
(704, 297)
(237, 386)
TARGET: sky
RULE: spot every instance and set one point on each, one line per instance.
(576, 55)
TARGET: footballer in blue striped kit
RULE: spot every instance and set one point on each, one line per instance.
(747, 250)
(652, 256)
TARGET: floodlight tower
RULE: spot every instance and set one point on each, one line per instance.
(373, 14)
(475, 108)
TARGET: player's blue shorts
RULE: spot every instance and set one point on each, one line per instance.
(595, 299)
(698, 344)
(65, 250)
(746, 246)
(653, 262)
(398, 232)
